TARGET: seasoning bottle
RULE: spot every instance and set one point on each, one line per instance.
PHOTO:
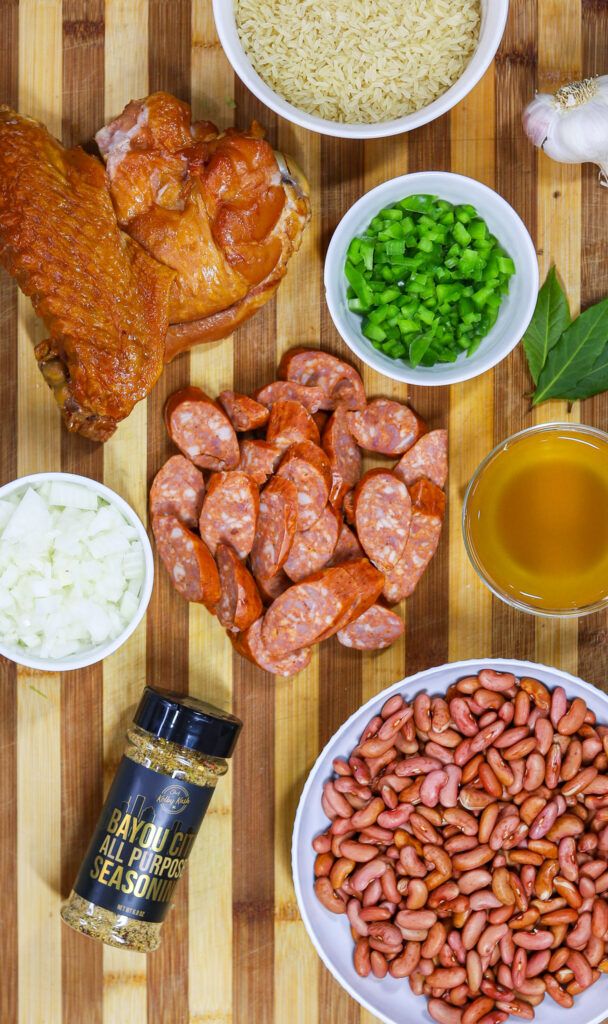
(174, 757)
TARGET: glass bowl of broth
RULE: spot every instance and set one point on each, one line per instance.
(535, 520)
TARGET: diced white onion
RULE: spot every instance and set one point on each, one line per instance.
(6, 510)
(30, 521)
(71, 570)
(72, 495)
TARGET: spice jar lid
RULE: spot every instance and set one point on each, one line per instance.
(188, 722)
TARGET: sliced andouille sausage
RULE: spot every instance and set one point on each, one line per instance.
(318, 606)
(243, 412)
(339, 381)
(376, 629)
(259, 459)
(178, 490)
(348, 507)
(230, 512)
(280, 390)
(277, 523)
(383, 512)
(320, 419)
(289, 423)
(427, 458)
(307, 466)
(188, 561)
(362, 583)
(201, 430)
(312, 549)
(386, 427)
(428, 509)
(272, 587)
(240, 603)
(337, 492)
(251, 645)
(344, 456)
(304, 612)
(347, 548)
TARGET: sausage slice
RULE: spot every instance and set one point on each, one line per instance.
(386, 427)
(188, 561)
(243, 412)
(230, 512)
(362, 583)
(344, 456)
(251, 645)
(310, 397)
(276, 527)
(339, 381)
(289, 423)
(428, 509)
(271, 587)
(259, 459)
(240, 603)
(201, 430)
(348, 507)
(178, 490)
(313, 548)
(307, 466)
(376, 629)
(383, 511)
(347, 547)
(427, 458)
(318, 606)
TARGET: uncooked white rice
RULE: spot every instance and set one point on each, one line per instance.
(359, 61)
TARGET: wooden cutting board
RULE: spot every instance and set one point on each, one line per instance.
(234, 949)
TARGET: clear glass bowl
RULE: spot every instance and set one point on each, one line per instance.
(483, 571)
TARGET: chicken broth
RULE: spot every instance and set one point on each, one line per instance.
(536, 519)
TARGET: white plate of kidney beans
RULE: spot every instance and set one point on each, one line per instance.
(450, 849)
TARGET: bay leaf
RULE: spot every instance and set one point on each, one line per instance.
(594, 382)
(573, 357)
(550, 319)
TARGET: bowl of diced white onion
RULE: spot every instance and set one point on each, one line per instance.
(76, 571)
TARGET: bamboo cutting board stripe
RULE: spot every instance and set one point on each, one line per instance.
(559, 186)
(38, 697)
(593, 630)
(516, 181)
(8, 470)
(124, 983)
(81, 692)
(210, 881)
(471, 403)
(234, 948)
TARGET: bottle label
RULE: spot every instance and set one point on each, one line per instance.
(141, 843)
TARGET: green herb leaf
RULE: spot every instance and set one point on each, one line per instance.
(573, 357)
(593, 382)
(551, 317)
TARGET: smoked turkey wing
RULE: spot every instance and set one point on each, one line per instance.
(221, 209)
(102, 298)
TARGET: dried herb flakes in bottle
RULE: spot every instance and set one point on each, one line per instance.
(175, 755)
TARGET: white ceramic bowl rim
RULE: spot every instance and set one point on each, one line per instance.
(494, 18)
(301, 837)
(91, 655)
(518, 304)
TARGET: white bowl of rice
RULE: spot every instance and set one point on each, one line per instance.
(360, 69)
(76, 571)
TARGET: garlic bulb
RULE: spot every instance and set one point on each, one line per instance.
(572, 126)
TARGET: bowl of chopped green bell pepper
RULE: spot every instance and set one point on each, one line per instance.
(431, 278)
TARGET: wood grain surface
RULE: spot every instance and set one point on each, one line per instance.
(234, 950)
